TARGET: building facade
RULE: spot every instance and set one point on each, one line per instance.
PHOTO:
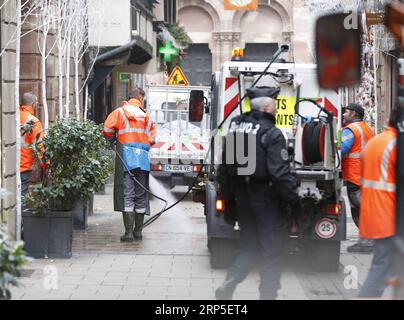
(128, 51)
(7, 115)
(30, 80)
(215, 31)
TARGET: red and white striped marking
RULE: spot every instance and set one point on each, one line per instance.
(185, 147)
(328, 105)
(400, 71)
(231, 95)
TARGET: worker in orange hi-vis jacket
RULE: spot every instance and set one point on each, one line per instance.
(378, 208)
(355, 136)
(135, 132)
(31, 133)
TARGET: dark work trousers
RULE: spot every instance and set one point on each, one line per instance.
(263, 236)
(25, 183)
(355, 210)
(380, 269)
(134, 194)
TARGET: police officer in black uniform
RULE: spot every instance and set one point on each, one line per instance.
(260, 195)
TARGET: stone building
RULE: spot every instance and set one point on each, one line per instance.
(215, 31)
(7, 115)
(30, 80)
(128, 50)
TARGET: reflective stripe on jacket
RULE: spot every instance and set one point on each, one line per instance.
(135, 131)
(377, 215)
(33, 132)
(351, 163)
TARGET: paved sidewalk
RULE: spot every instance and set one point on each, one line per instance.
(172, 262)
(140, 277)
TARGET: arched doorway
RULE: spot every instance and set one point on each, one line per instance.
(262, 41)
(197, 63)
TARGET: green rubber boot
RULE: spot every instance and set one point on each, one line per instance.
(137, 232)
(128, 221)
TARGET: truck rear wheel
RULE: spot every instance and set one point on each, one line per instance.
(222, 252)
(324, 255)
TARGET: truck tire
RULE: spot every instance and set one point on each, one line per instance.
(325, 255)
(222, 253)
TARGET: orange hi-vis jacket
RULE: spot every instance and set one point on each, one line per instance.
(34, 132)
(351, 162)
(378, 186)
(131, 124)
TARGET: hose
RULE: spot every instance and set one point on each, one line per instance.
(165, 209)
(139, 183)
(329, 120)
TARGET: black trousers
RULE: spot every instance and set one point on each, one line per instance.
(25, 183)
(263, 236)
(355, 211)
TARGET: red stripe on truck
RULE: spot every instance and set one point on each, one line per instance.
(230, 82)
(198, 146)
(230, 106)
(330, 107)
(158, 145)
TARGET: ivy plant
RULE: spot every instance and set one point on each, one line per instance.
(77, 161)
(12, 260)
(181, 37)
(179, 34)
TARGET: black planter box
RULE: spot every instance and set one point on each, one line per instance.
(48, 236)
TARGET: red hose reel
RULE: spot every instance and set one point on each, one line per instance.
(313, 142)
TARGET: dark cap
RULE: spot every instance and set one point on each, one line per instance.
(357, 108)
(257, 92)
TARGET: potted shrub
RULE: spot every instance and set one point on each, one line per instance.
(78, 162)
(12, 259)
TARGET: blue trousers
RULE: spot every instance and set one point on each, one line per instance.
(380, 269)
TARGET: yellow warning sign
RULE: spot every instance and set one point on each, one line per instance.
(177, 77)
(286, 112)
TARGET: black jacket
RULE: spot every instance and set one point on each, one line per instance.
(272, 161)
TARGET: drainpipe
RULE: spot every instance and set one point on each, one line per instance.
(1, 121)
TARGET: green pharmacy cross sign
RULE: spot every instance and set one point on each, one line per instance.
(168, 50)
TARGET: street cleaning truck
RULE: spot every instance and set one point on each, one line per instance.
(181, 145)
(311, 121)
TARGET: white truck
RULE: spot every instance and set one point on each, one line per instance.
(313, 135)
(181, 146)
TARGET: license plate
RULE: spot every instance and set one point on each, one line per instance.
(177, 168)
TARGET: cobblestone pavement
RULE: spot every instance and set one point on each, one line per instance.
(171, 262)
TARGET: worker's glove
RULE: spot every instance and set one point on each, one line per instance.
(112, 142)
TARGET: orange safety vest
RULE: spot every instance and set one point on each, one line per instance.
(351, 162)
(378, 186)
(131, 124)
(26, 117)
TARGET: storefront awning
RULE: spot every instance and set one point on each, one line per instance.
(138, 51)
